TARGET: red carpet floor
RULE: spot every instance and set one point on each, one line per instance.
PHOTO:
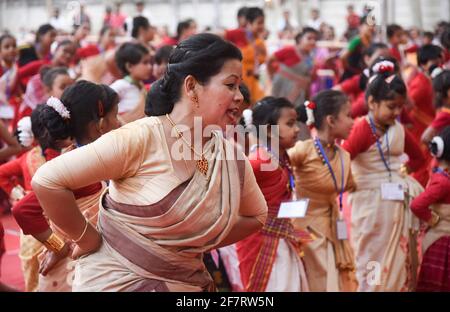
(11, 273)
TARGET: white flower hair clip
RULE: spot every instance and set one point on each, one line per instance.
(383, 67)
(310, 107)
(439, 150)
(59, 107)
(25, 134)
(436, 72)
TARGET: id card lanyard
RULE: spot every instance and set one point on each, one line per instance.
(387, 161)
(327, 162)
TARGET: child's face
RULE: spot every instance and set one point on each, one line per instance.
(159, 69)
(108, 39)
(386, 112)
(343, 123)
(64, 55)
(397, 38)
(142, 70)
(48, 38)
(257, 26)
(8, 50)
(308, 41)
(59, 85)
(288, 127)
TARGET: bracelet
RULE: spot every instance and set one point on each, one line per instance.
(82, 234)
(54, 243)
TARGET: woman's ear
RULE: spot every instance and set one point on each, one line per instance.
(189, 85)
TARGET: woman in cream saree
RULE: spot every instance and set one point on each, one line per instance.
(162, 210)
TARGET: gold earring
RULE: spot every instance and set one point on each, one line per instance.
(195, 100)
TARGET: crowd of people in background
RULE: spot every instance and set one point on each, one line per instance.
(364, 136)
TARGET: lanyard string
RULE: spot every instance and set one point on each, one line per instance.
(291, 175)
(380, 150)
(327, 162)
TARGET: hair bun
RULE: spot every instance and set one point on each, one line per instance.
(158, 101)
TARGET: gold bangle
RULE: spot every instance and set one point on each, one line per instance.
(82, 234)
(54, 243)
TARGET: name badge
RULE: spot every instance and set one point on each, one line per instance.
(341, 227)
(392, 191)
(294, 209)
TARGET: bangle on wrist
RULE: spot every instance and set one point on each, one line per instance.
(54, 243)
(82, 234)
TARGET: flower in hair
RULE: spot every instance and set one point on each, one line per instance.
(59, 107)
(437, 146)
(383, 67)
(310, 107)
(25, 134)
(436, 72)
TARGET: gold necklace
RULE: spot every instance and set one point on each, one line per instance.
(202, 163)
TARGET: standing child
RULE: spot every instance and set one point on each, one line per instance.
(293, 77)
(433, 207)
(134, 61)
(382, 225)
(270, 259)
(9, 91)
(322, 173)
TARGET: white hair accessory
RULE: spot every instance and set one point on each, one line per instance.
(440, 146)
(25, 136)
(383, 66)
(436, 72)
(248, 117)
(59, 107)
(310, 106)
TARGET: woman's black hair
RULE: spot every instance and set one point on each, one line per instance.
(441, 85)
(268, 111)
(328, 102)
(139, 22)
(364, 78)
(202, 56)
(86, 102)
(433, 147)
(4, 37)
(305, 30)
(42, 30)
(162, 54)
(253, 13)
(49, 74)
(131, 53)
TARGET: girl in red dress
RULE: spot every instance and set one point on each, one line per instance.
(433, 208)
(270, 260)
